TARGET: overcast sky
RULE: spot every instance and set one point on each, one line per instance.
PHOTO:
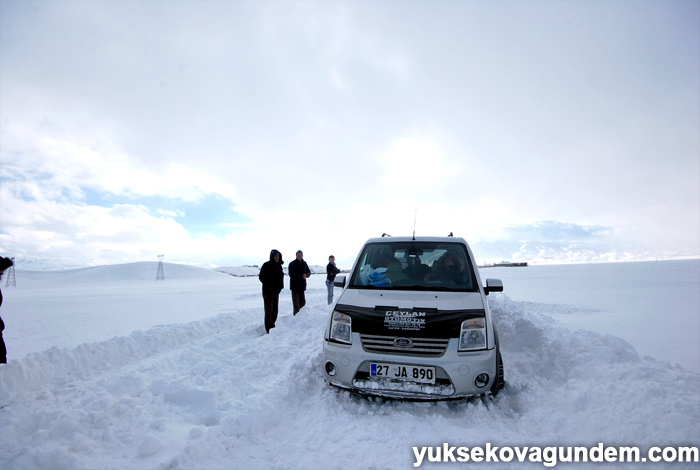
(214, 131)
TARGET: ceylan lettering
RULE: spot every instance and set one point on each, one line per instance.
(404, 313)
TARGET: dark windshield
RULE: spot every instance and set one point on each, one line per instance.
(415, 266)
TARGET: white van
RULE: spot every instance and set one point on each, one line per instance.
(412, 321)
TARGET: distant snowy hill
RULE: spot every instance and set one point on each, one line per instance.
(142, 271)
(557, 252)
(239, 271)
(244, 271)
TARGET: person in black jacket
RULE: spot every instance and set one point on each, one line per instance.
(272, 278)
(331, 271)
(4, 264)
(298, 273)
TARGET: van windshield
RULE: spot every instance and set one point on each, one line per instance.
(415, 265)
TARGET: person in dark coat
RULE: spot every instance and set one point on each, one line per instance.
(272, 278)
(298, 273)
(331, 271)
(5, 263)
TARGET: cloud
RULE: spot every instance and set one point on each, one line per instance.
(67, 165)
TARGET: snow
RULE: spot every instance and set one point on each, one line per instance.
(110, 369)
(654, 305)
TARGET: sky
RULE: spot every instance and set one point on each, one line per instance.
(214, 131)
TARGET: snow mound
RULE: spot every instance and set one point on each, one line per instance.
(586, 384)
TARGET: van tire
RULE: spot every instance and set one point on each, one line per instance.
(500, 382)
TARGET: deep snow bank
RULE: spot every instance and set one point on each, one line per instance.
(220, 394)
(38, 370)
(592, 386)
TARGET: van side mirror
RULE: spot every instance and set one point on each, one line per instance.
(339, 281)
(493, 285)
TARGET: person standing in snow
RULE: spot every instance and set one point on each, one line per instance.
(331, 271)
(5, 263)
(272, 278)
(298, 273)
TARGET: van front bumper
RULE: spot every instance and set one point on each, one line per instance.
(348, 366)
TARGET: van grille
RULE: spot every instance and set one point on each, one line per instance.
(418, 346)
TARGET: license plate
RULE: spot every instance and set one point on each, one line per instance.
(408, 373)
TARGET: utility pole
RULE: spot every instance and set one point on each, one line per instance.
(160, 275)
(11, 275)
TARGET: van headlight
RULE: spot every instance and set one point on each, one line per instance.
(473, 334)
(341, 328)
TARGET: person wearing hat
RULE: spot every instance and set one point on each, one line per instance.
(298, 273)
(272, 278)
(5, 263)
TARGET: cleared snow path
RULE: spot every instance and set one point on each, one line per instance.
(220, 394)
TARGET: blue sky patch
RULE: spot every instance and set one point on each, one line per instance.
(212, 214)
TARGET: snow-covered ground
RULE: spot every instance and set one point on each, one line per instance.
(653, 305)
(109, 370)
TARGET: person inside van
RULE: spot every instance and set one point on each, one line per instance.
(451, 267)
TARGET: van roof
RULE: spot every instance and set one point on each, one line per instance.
(390, 239)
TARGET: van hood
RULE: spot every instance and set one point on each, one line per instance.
(412, 299)
(410, 314)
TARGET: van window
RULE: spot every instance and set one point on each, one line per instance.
(414, 266)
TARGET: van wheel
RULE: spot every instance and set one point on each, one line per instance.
(500, 382)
